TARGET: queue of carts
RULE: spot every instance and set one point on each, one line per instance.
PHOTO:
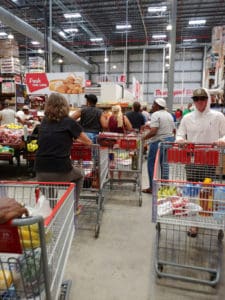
(125, 157)
(34, 250)
(189, 197)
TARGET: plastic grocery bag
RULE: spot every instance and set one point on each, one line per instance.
(42, 207)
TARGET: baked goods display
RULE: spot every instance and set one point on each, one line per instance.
(70, 85)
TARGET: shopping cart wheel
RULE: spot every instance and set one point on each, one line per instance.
(160, 268)
(220, 235)
(140, 201)
(97, 230)
(158, 227)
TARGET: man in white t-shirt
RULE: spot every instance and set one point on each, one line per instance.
(162, 129)
(7, 114)
(23, 116)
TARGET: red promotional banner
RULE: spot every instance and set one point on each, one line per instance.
(36, 81)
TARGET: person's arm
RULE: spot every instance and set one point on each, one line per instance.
(83, 138)
(152, 132)
(181, 136)
(76, 115)
(128, 125)
(103, 122)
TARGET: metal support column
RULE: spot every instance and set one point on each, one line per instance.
(172, 41)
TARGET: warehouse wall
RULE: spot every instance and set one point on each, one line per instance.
(188, 69)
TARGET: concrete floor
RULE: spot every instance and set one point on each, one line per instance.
(119, 264)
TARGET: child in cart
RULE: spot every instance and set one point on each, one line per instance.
(56, 134)
(203, 125)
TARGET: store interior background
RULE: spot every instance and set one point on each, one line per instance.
(132, 52)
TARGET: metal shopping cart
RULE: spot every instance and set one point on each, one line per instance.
(94, 161)
(188, 191)
(33, 250)
(125, 153)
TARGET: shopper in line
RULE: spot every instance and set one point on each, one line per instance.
(118, 122)
(162, 129)
(203, 125)
(146, 114)
(23, 116)
(56, 134)
(188, 109)
(91, 118)
(135, 116)
(7, 114)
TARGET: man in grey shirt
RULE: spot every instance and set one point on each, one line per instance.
(162, 129)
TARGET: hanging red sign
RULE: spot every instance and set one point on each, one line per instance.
(36, 81)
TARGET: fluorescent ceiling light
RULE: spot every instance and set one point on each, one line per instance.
(157, 9)
(96, 39)
(2, 33)
(123, 26)
(189, 40)
(60, 60)
(169, 27)
(106, 59)
(70, 30)
(72, 15)
(62, 34)
(35, 43)
(40, 51)
(159, 36)
(10, 36)
(197, 22)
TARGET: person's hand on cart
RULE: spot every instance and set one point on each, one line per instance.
(10, 209)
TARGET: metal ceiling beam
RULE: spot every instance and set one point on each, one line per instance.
(27, 30)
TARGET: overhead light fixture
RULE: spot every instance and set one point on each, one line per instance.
(197, 22)
(189, 40)
(96, 39)
(114, 67)
(2, 33)
(106, 59)
(167, 57)
(72, 15)
(40, 51)
(62, 34)
(70, 30)
(157, 9)
(10, 36)
(123, 26)
(35, 43)
(60, 60)
(169, 27)
(159, 36)
(168, 45)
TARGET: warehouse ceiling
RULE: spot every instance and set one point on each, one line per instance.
(98, 19)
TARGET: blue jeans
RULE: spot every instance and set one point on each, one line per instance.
(92, 136)
(153, 147)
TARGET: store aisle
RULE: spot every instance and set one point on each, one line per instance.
(118, 265)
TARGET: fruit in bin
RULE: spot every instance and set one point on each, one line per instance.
(32, 146)
(14, 126)
(30, 238)
(165, 191)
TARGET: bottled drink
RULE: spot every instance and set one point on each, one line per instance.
(206, 198)
(134, 164)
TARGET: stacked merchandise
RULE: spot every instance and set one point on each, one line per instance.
(36, 64)
(10, 65)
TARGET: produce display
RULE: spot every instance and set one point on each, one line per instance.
(11, 136)
(6, 150)
(32, 146)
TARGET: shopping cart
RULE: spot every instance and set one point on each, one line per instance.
(94, 161)
(125, 153)
(188, 192)
(33, 250)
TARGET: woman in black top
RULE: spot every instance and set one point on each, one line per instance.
(91, 118)
(55, 137)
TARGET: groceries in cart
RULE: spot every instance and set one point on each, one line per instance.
(172, 202)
